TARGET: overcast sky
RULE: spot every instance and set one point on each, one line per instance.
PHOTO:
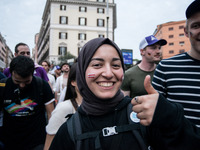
(20, 20)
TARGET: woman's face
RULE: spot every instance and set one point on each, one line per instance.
(104, 73)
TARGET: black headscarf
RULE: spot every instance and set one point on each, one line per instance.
(91, 104)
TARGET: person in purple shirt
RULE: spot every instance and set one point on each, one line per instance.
(23, 49)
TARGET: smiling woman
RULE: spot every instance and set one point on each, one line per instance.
(102, 59)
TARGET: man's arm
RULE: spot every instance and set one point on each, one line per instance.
(49, 108)
(49, 139)
(6, 72)
(48, 98)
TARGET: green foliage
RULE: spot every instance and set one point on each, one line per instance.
(64, 58)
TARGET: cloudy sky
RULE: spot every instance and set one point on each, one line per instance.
(20, 20)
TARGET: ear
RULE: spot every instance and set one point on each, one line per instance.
(186, 32)
(16, 54)
(142, 52)
(73, 83)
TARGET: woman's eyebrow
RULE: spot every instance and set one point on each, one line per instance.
(99, 59)
(115, 59)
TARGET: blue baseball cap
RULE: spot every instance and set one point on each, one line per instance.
(58, 67)
(150, 40)
(193, 8)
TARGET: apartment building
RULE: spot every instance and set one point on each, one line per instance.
(6, 54)
(68, 24)
(177, 42)
(34, 50)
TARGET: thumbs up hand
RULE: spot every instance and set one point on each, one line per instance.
(145, 105)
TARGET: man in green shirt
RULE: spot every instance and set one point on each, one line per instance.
(150, 50)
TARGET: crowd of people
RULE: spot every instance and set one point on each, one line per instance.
(96, 104)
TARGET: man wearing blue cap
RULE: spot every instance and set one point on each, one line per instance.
(178, 78)
(150, 50)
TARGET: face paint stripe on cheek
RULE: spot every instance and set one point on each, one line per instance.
(91, 75)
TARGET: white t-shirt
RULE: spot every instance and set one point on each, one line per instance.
(62, 95)
(52, 80)
(59, 84)
(58, 116)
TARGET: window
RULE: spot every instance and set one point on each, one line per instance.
(171, 28)
(63, 20)
(62, 7)
(170, 44)
(101, 36)
(181, 35)
(181, 27)
(62, 50)
(100, 0)
(100, 10)
(182, 43)
(62, 35)
(171, 51)
(100, 22)
(1, 58)
(79, 50)
(3, 50)
(82, 21)
(171, 36)
(82, 36)
(181, 51)
(82, 9)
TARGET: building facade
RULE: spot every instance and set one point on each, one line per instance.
(68, 24)
(177, 42)
(6, 54)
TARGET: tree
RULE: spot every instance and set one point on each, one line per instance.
(64, 58)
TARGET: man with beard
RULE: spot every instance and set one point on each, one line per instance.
(24, 98)
(150, 50)
(61, 82)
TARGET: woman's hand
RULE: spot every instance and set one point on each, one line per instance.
(145, 105)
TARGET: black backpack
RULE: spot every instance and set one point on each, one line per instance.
(75, 132)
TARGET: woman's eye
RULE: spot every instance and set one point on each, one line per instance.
(116, 66)
(96, 65)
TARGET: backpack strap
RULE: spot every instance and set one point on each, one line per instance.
(74, 128)
(2, 88)
(140, 138)
(76, 135)
(39, 82)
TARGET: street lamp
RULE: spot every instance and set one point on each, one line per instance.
(107, 17)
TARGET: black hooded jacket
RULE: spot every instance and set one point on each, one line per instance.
(170, 130)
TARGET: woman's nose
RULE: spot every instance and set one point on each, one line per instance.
(108, 72)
